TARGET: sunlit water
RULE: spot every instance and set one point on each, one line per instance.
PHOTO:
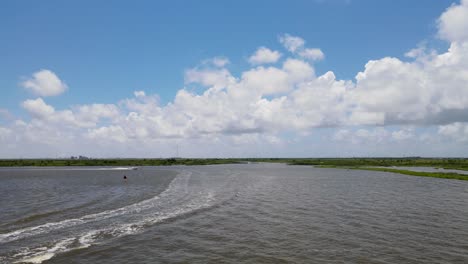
(252, 213)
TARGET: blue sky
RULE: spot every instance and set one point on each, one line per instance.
(97, 47)
(105, 52)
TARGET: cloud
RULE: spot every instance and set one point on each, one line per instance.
(296, 45)
(361, 135)
(384, 104)
(5, 114)
(209, 76)
(139, 93)
(142, 103)
(291, 43)
(457, 131)
(342, 135)
(220, 61)
(4, 133)
(378, 135)
(45, 83)
(265, 81)
(95, 112)
(391, 78)
(430, 90)
(453, 23)
(38, 108)
(403, 134)
(262, 81)
(312, 54)
(112, 133)
(264, 55)
(81, 116)
(358, 117)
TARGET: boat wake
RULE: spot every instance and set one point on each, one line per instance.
(177, 200)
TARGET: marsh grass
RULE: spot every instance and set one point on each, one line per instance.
(447, 175)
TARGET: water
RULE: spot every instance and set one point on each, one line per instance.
(252, 213)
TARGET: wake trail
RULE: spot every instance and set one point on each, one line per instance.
(187, 204)
(177, 183)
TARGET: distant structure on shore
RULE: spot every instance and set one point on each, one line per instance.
(79, 158)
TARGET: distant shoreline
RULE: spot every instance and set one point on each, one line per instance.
(374, 164)
(442, 175)
(391, 165)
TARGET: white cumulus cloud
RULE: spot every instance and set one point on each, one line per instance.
(139, 93)
(264, 55)
(38, 108)
(209, 77)
(220, 61)
(292, 43)
(453, 23)
(387, 103)
(45, 83)
(312, 54)
(296, 45)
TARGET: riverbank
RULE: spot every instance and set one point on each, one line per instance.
(445, 163)
(392, 164)
(443, 175)
(111, 162)
(375, 164)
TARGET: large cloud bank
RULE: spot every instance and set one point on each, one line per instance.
(280, 95)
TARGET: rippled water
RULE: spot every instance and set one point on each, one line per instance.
(252, 213)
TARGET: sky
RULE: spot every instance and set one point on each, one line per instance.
(315, 78)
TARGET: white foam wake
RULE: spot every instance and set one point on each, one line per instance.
(177, 183)
(118, 168)
(84, 240)
(43, 253)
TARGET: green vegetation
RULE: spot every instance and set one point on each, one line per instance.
(448, 175)
(446, 163)
(111, 162)
(394, 163)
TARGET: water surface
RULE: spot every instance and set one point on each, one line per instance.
(251, 213)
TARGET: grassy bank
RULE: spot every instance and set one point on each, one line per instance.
(111, 162)
(448, 175)
(446, 163)
(369, 163)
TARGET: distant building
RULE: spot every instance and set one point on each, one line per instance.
(79, 158)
